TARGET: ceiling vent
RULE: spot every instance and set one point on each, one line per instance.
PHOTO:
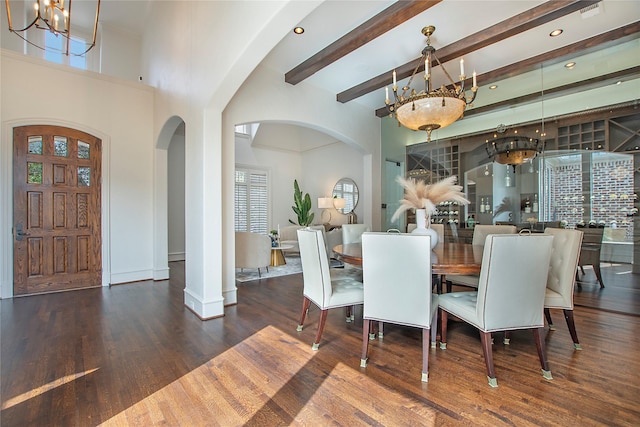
(592, 10)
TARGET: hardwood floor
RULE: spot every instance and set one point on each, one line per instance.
(134, 355)
(621, 293)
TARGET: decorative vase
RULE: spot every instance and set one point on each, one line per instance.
(421, 227)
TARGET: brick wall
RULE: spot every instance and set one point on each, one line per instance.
(610, 197)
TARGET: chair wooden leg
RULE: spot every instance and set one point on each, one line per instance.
(582, 269)
(487, 350)
(323, 319)
(596, 269)
(546, 372)
(425, 355)
(305, 309)
(434, 329)
(568, 315)
(547, 315)
(366, 323)
(444, 316)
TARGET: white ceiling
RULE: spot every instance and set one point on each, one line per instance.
(454, 20)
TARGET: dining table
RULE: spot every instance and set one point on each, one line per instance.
(447, 258)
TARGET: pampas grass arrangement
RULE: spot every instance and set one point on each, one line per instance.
(419, 195)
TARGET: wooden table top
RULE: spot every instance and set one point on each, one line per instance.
(446, 258)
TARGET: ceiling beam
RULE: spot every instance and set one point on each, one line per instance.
(546, 12)
(600, 41)
(384, 21)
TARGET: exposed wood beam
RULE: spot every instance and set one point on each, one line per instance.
(605, 40)
(546, 12)
(384, 21)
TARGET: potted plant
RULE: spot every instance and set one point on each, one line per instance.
(302, 206)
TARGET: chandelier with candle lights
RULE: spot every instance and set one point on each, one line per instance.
(53, 16)
(430, 109)
(513, 150)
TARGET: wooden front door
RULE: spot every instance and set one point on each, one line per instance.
(56, 209)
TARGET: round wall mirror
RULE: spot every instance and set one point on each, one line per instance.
(346, 189)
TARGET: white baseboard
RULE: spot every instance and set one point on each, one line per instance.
(205, 310)
(131, 276)
(177, 256)
(161, 274)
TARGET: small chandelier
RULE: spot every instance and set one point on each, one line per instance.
(53, 16)
(513, 150)
(430, 109)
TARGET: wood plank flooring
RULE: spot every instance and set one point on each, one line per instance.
(134, 355)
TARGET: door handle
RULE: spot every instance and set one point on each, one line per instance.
(19, 233)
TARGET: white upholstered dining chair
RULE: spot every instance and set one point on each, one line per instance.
(352, 233)
(397, 287)
(561, 279)
(319, 286)
(510, 294)
(480, 233)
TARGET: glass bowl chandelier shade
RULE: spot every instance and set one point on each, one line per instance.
(429, 109)
(513, 150)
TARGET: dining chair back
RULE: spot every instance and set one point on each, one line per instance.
(510, 294)
(397, 286)
(590, 251)
(352, 233)
(565, 253)
(480, 233)
(318, 285)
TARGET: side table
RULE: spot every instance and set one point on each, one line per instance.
(277, 257)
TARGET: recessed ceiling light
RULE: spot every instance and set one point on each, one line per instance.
(619, 82)
(493, 87)
(556, 33)
(570, 65)
(298, 30)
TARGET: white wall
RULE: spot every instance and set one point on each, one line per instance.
(118, 112)
(120, 54)
(323, 167)
(175, 198)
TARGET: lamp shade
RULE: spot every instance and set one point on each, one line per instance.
(339, 203)
(429, 112)
(325, 202)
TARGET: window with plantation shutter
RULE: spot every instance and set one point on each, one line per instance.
(251, 201)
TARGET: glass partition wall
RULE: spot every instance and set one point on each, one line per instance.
(577, 188)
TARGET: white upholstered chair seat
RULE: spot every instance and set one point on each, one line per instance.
(344, 291)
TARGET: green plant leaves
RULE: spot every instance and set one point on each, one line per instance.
(302, 207)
